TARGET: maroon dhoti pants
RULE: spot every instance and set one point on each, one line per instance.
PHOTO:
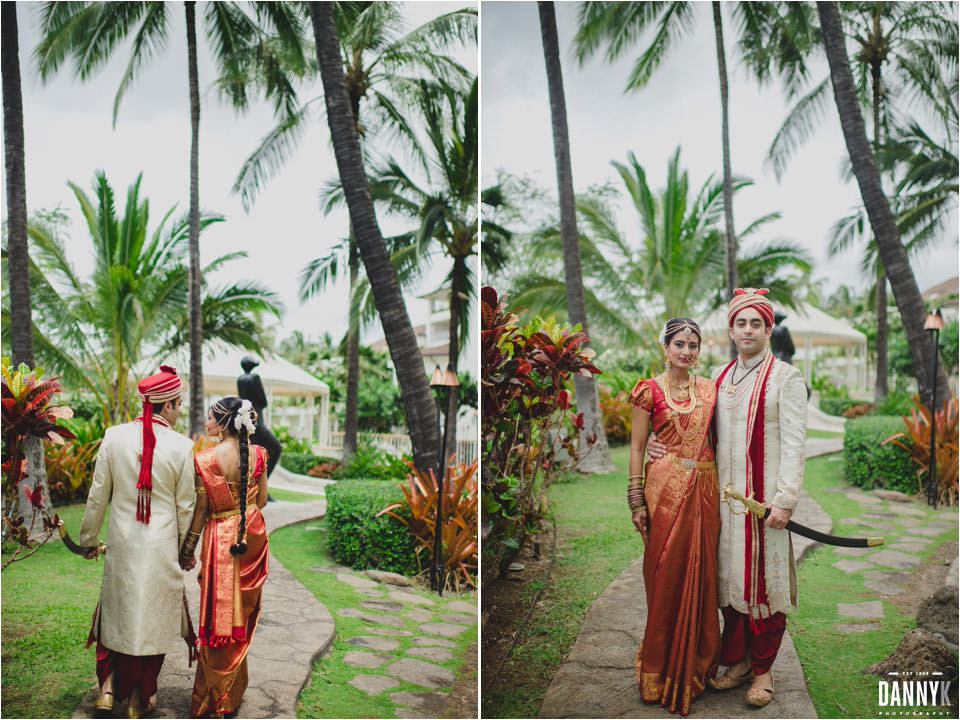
(129, 672)
(760, 638)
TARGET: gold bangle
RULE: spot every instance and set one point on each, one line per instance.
(641, 476)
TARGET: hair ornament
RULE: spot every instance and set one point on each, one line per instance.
(245, 417)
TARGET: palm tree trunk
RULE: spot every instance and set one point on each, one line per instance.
(350, 422)
(18, 263)
(414, 389)
(880, 387)
(18, 266)
(585, 389)
(730, 243)
(196, 330)
(891, 251)
(458, 291)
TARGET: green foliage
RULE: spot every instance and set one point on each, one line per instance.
(369, 461)
(524, 426)
(289, 443)
(93, 330)
(898, 401)
(833, 405)
(298, 462)
(868, 463)
(360, 539)
(901, 361)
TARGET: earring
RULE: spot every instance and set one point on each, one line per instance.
(696, 363)
(668, 364)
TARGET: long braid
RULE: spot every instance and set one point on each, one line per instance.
(243, 442)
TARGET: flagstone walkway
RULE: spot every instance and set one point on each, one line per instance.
(406, 638)
(596, 680)
(293, 630)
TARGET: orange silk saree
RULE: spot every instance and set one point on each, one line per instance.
(681, 641)
(229, 588)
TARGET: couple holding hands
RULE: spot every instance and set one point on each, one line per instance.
(152, 535)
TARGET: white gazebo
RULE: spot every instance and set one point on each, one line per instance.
(280, 378)
(811, 329)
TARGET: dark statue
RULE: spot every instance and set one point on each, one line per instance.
(780, 341)
(249, 387)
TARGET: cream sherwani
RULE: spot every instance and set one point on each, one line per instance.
(784, 437)
(141, 599)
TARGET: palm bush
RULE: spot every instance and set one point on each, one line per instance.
(97, 330)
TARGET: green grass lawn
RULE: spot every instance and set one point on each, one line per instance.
(831, 659)
(824, 434)
(597, 541)
(299, 547)
(293, 495)
(48, 601)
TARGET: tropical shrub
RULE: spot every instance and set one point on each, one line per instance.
(70, 466)
(359, 537)
(458, 535)
(326, 467)
(525, 405)
(916, 441)
(898, 401)
(617, 413)
(298, 462)
(869, 463)
(289, 443)
(369, 461)
(26, 412)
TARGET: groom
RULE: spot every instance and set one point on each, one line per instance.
(144, 469)
(761, 417)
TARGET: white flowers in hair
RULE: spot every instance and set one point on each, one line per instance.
(662, 337)
(244, 417)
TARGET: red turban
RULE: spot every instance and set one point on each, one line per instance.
(159, 388)
(750, 297)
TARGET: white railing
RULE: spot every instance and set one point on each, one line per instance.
(399, 444)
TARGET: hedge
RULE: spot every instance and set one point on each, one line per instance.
(357, 538)
(832, 405)
(298, 462)
(869, 464)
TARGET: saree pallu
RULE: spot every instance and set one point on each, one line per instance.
(230, 588)
(681, 641)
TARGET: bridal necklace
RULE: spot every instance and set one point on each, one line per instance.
(672, 404)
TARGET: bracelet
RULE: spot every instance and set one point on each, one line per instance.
(635, 497)
(189, 544)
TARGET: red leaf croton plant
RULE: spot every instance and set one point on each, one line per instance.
(529, 433)
(27, 412)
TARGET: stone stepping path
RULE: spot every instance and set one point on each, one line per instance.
(907, 529)
(407, 636)
(294, 629)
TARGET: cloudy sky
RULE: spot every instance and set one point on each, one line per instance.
(679, 106)
(69, 136)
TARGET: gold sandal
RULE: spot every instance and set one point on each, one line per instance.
(725, 682)
(104, 703)
(759, 696)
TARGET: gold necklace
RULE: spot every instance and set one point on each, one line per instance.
(677, 410)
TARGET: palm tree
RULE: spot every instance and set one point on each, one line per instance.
(619, 25)
(377, 61)
(18, 280)
(90, 31)
(891, 251)
(631, 289)
(95, 331)
(585, 389)
(420, 411)
(445, 208)
(917, 42)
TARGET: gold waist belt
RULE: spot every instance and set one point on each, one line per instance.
(691, 463)
(225, 514)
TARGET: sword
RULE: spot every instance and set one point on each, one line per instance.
(760, 510)
(100, 548)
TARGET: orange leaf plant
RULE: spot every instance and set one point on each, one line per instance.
(916, 441)
(458, 535)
